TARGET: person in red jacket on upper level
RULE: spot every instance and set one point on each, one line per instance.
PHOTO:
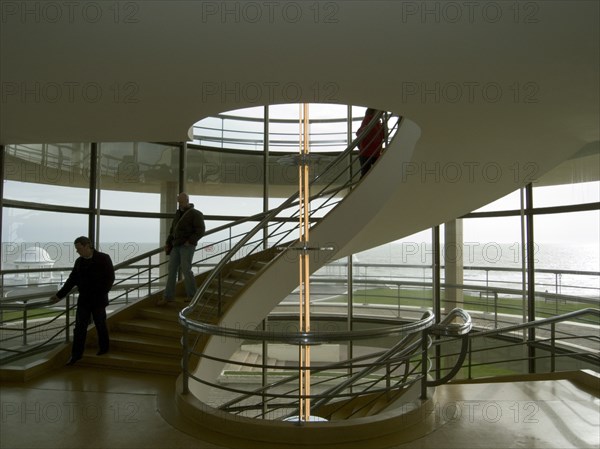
(370, 147)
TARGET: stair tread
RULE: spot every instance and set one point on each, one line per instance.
(154, 340)
(160, 314)
(133, 360)
(151, 324)
(167, 310)
(116, 354)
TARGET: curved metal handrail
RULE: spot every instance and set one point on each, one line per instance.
(24, 302)
(458, 330)
(354, 362)
(391, 359)
(313, 338)
(301, 338)
(447, 328)
(183, 316)
(464, 349)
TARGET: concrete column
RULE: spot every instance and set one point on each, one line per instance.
(453, 261)
(168, 205)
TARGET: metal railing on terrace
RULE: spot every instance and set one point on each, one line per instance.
(406, 290)
(29, 320)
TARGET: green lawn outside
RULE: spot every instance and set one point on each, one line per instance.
(422, 298)
(15, 315)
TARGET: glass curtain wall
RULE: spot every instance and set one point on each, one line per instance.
(243, 162)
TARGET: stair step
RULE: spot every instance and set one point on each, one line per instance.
(231, 280)
(167, 312)
(133, 361)
(213, 293)
(147, 344)
(363, 406)
(242, 356)
(150, 327)
(252, 358)
(237, 358)
(244, 274)
(228, 289)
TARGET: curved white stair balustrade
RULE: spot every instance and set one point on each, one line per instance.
(334, 231)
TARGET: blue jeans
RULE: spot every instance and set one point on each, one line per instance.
(181, 257)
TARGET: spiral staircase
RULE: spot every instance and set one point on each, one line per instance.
(196, 341)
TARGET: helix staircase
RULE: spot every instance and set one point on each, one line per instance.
(148, 338)
(244, 287)
(349, 208)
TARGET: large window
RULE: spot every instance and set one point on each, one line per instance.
(47, 173)
(51, 196)
(23, 227)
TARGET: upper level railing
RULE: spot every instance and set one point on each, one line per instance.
(248, 133)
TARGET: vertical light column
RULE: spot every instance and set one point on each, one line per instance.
(304, 325)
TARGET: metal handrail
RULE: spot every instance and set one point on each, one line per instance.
(24, 302)
(400, 354)
(446, 327)
(313, 338)
(355, 362)
(537, 323)
(218, 132)
(270, 215)
(27, 302)
(393, 358)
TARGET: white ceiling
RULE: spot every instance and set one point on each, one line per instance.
(148, 70)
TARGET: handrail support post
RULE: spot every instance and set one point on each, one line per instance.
(424, 364)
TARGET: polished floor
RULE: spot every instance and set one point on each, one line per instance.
(83, 407)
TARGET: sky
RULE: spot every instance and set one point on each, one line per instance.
(24, 225)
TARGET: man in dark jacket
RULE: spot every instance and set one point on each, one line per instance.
(93, 275)
(187, 228)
